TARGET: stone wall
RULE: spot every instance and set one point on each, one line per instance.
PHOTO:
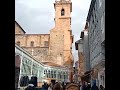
(40, 50)
(18, 30)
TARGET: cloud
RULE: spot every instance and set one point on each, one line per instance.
(81, 4)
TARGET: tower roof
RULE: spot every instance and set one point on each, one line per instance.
(59, 2)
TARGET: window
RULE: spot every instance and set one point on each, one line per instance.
(46, 43)
(102, 24)
(18, 43)
(93, 21)
(64, 75)
(62, 12)
(100, 3)
(103, 81)
(51, 74)
(48, 73)
(95, 16)
(70, 21)
(44, 71)
(54, 74)
(32, 44)
(94, 8)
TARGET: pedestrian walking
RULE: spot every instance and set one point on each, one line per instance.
(87, 86)
(44, 86)
(57, 86)
(94, 87)
(30, 87)
(101, 87)
(50, 87)
(83, 86)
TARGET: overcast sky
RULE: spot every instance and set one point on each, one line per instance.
(37, 16)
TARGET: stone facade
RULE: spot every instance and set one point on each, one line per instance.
(76, 72)
(85, 46)
(96, 32)
(40, 47)
(81, 57)
(56, 46)
(18, 29)
(92, 44)
(81, 62)
(79, 47)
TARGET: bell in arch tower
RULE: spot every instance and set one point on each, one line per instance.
(63, 9)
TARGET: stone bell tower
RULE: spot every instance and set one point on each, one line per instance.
(61, 38)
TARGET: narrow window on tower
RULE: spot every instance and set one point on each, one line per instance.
(62, 12)
(70, 21)
(32, 44)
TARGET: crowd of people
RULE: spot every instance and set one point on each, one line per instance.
(87, 86)
(62, 86)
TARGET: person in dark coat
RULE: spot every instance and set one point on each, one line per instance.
(63, 85)
(44, 86)
(94, 87)
(101, 87)
(57, 86)
(83, 86)
(30, 87)
(87, 86)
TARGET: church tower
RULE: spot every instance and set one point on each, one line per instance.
(61, 38)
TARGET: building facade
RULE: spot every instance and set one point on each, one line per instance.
(55, 47)
(86, 50)
(76, 72)
(81, 69)
(96, 35)
(92, 44)
(27, 65)
(61, 34)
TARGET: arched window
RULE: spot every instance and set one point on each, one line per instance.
(54, 74)
(44, 71)
(18, 43)
(62, 12)
(51, 74)
(32, 44)
(64, 75)
(48, 73)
